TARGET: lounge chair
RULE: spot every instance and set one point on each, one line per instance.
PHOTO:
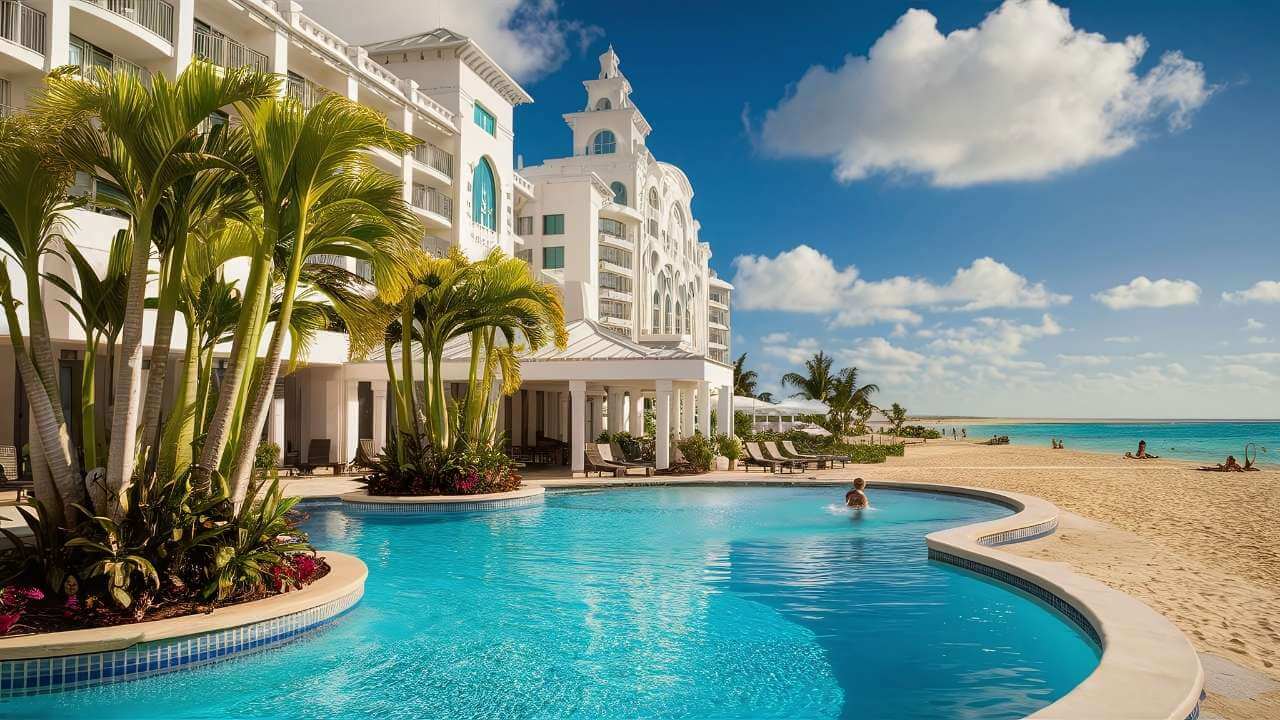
(318, 457)
(365, 454)
(772, 452)
(9, 479)
(756, 458)
(597, 463)
(791, 451)
(611, 452)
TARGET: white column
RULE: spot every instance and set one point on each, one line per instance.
(184, 15)
(686, 412)
(704, 408)
(280, 59)
(531, 427)
(379, 415)
(597, 415)
(724, 414)
(616, 411)
(351, 423)
(562, 424)
(578, 396)
(58, 34)
(662, 411)
(636, 424)
(517, 418)
(275, 423)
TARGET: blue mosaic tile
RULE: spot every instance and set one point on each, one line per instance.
(46, 675)
(444, 507)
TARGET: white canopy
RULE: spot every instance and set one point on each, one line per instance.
(755, 406)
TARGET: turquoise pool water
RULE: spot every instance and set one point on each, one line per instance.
(644, 603)
(1200, 441)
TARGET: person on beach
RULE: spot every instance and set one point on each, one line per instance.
(1142, 452)
(1231, 465)
(856, 498)
(963, 434)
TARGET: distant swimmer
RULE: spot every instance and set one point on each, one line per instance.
(856, 498)
(1142, 452)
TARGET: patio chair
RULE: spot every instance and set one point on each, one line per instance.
(756, 458)
(365, 454)
(318, 457)
(611, 452)
(9, 479)
(790, 449)
(772, 452)
(596, 463)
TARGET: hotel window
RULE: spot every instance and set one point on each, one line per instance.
(553, 224)
(484, 119)
(86, 55)
(656, 327)
(553, 258)
(609, 226)
(619, 193)
(605, 143)
(524, 225)
(484, 196)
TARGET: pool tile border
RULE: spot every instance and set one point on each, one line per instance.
(123, 660)
(523, 497)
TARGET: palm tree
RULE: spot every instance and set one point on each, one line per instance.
(98, 307)
(848, 400)
(145, 138)
(33, 203)
(897, 417)
(744, 381)
(816, 384)
(320, 194)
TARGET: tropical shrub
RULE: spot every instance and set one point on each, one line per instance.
(918, 431)
(742, 426)
(267, 458)
(632, 446)
(469, 470)
(728, 446)
(698, 451)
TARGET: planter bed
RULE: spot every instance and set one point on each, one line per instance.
(521, 497)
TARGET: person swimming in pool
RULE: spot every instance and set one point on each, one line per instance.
(856, 498)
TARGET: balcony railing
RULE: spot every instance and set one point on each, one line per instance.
(612, 227)
(434, 157)
(154, 15)
(432, 200)
(327, 259)
(306, 92)
(222, 50)
(22, 25)
(94, 61)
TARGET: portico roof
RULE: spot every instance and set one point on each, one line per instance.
(587, 341)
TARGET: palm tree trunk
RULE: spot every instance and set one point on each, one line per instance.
(175, 450)
(88, 403)
(243, 350)
(122, 457)
(166, 313)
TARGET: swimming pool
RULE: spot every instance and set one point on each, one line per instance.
(675, 602)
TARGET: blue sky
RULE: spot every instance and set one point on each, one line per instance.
(1073, 172)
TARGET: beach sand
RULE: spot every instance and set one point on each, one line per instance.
(1201, 548)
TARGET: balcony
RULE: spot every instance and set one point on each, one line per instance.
(153, 15)
(433, 203)
(435, 158)
(225, 52)
(304, 91)
(22, 25)
(522, 185)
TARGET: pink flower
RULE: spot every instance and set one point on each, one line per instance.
(8, 620)
(73, 603)
(31, 593)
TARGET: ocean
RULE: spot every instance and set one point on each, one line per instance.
(1197, 440)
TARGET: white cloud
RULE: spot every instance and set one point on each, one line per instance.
(1252, 324)
(1250, 374)
(528, 38)
(1260, 340)
(805, 280)
(775, 337)
(795, 352)
(1125, 339)
(1086, 360)
(1149, 355)
(1019, 97)
(996, 340)
(1263, 291)
(1142, 292)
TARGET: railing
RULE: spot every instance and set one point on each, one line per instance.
(522, 184)
(614, 309)
(306, 92)
(425, 100)
(615, 257)
(327, 259)
(320, 34)
(120, 66)
(432, 200)
(716, 297)
(612, 227)
(154, 15)
(22, 24)
(222, 50)
(615, 282)
(432, 156)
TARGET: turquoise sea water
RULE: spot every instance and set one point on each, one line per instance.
(644, 603)
(1200, 441)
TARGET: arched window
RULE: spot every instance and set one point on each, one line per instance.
(688, 322)
(484, 196)
(679, 318)
(651, 213)
(605, 143)
(619, 192)
(604, 104)
(657, 312)
(666, 321)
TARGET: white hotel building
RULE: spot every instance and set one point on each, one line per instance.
(609, 223)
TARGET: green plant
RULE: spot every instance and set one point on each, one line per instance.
(729, 446)
(267, 457)
(256, 540)
(742, 425)
(698, 451)
(120, 566)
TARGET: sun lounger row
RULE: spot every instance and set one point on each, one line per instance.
(768, 456)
